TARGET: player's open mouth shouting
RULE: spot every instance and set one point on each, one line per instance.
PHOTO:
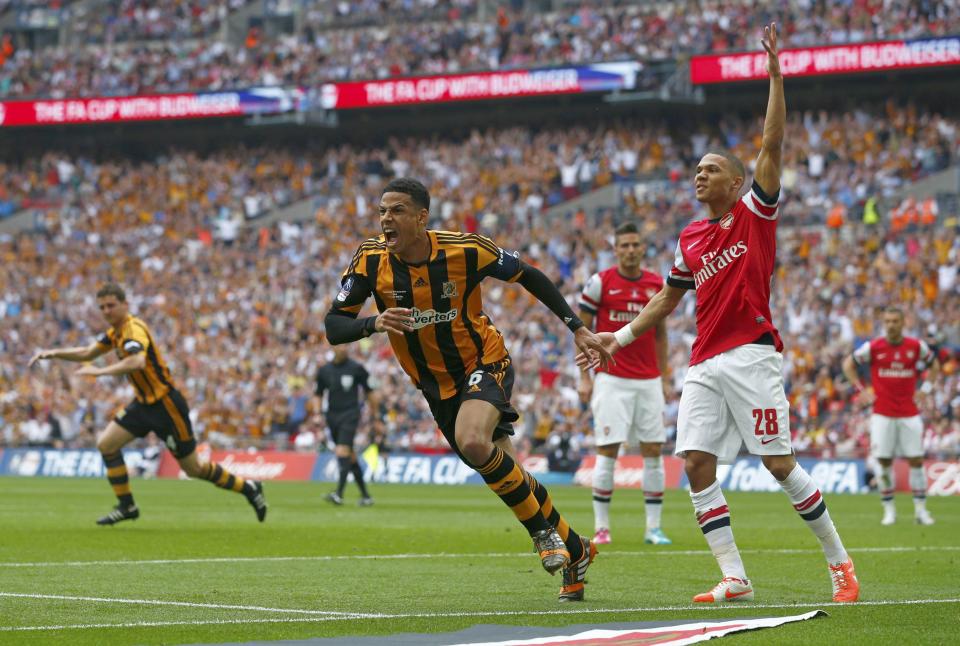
(390, 236)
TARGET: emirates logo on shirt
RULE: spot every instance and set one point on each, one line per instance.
(714, 262)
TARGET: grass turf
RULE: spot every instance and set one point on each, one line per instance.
(325, 559)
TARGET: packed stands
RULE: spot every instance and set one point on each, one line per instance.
(238, 307)
(136, 20)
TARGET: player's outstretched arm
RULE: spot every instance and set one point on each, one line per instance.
(80, 353)
(659, 307)
(542, 288)
(770, 161)
(125, 366)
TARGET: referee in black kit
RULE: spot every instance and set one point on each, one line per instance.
(344, 378)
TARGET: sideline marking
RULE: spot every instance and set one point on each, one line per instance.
(185, 604)
(374, 557)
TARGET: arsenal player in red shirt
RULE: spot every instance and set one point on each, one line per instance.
(896, 363)
(626, 398)
(733, 392)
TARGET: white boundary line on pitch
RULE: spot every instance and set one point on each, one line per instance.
(185, 604)
(440, 615)
(386, 557)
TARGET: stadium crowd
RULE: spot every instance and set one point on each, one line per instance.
(175, 46)
(237, 306)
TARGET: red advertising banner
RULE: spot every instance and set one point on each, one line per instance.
(257, 100)
(261, 465)
(839, 59)
(629, 472)
(599, 77)
(131, 108)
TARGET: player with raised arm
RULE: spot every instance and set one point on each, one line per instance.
(896, 363)
(733, 392)
(626, 398)
(426, 285)
(158, 406)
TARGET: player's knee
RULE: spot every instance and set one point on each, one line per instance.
(476, 449)
(779, 466)
(105, 446)
(651, 450)
(192, 469)
(695, 462)
(609, 450)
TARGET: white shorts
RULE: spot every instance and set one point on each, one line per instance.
(734, 398)
(627, 410)
(892, 437)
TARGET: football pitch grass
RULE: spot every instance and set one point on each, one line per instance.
(197, 567)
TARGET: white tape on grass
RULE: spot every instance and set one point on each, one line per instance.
(442, 555)
(326, 616)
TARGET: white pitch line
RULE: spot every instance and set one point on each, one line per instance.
(185, 604)
(494, 613)
(375, 557)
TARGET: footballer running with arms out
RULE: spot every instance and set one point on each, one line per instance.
(426, 285)
(626, 398)
(158, 406)
(896, 363)
(733, 392)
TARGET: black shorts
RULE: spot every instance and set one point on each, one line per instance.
(491, 383)
(343, 426)
(169, 418)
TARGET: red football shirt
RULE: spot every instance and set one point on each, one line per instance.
(614, 301)
(894, 370)
(729, 261)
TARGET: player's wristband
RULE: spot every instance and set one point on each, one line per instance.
(370, 326)
(624, 336)
(575, 324)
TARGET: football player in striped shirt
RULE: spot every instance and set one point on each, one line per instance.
(158, 406)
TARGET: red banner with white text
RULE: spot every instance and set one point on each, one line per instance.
(499, 84)
(837, 59)
(112, 109)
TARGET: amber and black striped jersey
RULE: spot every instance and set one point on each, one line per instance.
(130, 337)
(452, 334)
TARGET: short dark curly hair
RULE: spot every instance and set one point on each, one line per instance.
(414, 188)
